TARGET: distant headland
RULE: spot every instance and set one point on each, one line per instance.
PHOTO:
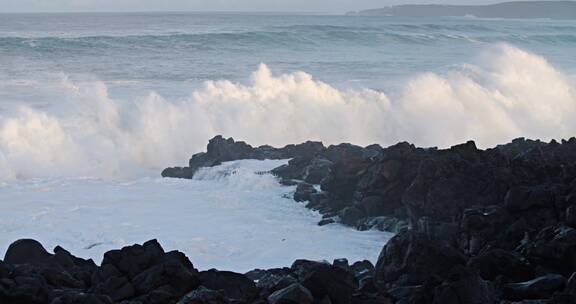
(517, 9)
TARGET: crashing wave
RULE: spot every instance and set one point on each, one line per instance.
(507, 93)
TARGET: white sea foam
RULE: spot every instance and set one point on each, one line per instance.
(506, 93)
(228, 218)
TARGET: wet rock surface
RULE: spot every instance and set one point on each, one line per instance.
(473, 226)
(221, 150)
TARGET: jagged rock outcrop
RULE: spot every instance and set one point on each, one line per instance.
(474, 226)
(221, 150)
(146, 274)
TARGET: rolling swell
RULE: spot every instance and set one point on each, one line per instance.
(285, 37)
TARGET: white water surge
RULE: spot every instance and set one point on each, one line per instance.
(228, 218)
(506, 93)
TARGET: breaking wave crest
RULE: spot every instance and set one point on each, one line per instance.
(507, 93)
(282, 37)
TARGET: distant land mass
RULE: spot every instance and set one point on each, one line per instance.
(516, 9)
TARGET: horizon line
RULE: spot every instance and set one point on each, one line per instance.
(306, 12)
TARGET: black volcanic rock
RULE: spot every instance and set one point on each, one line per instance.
(234, 285)
(465, 286)
(132, 260)
(327, 281)
(26, 251)
(473, 226)
(178, 172)
(116, 287)
(303, 192)
(81, 298)
(539, 288)
(221, 150)
(294, 293)
(411, 258)
(553, 249)
(498, 262)
(203, 295)
(351, 215)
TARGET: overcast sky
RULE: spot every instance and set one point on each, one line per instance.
(207, 5)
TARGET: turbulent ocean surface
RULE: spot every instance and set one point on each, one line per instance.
(93, 106)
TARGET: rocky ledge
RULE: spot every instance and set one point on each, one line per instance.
(146, 274)
(473, 226)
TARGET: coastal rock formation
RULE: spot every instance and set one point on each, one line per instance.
(146, 274)
(473, 225)
(221, 150)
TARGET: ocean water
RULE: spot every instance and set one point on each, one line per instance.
(93, 106)
(227, 218)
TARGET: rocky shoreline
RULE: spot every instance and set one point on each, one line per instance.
(146, 274)
(472, 226)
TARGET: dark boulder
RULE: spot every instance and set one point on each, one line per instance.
(326, 221)
(178, 172)
(21, 284)
(331, 282)
(325, 281)
(482, 226)
(303, 192)
(267, 283)
(340, 152)
(161, 295)
(571, 216)
(308, 148)
(301, 268)
(223, 150)
(79, 268)
(540, 288)
(81, 298)
(411, 257)
(284, 282)
(39, 270)
(351, 215)
(375, 206)
(553, 249)
(203, 295)
(362, 269)
(132, 260)
(465, 287)
(498, 262)
(147, 272)
(571, 285)
(342, 263)
(173, 270)
(220, 149)
(294, 170)
(56, 276)
(26, 251)
(516, 198)
(116, 287)
(293, 294)
(317, 170)
(383, 223)
(345, 174)
(235, 286)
